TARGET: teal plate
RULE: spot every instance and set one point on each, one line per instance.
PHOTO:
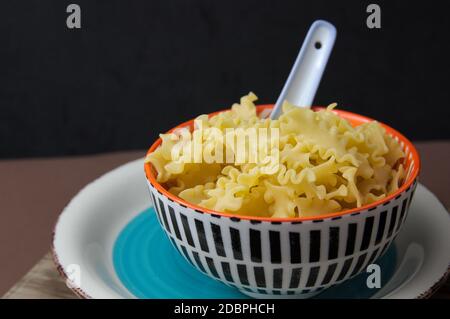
(149, 267)
(124, 253)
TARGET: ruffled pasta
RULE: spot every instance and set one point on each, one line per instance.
(324, 164)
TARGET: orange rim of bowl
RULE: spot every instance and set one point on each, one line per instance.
(353, 118)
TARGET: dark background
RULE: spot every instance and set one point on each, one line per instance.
(137, 68)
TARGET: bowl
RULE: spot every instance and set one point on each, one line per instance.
(285, 257)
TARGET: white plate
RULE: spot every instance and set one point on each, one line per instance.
(88, 227)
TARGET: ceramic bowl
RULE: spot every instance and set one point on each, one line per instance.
(285, 257)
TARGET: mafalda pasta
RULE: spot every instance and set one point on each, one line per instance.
(323, 164)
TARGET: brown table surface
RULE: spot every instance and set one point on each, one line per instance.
(34, 191)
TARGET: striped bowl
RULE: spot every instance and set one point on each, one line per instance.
(285, 257)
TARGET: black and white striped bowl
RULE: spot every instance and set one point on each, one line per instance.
(291, 257)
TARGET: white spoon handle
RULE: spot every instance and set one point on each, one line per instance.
(301, 85)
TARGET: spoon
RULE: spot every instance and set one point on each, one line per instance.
(301, 85)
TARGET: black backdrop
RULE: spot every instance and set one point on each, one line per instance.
(137, 68)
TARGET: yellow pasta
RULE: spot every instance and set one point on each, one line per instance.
(324, 164)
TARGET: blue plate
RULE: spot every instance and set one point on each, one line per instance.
(149, 267)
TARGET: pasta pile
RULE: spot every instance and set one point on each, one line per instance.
(325, 165)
